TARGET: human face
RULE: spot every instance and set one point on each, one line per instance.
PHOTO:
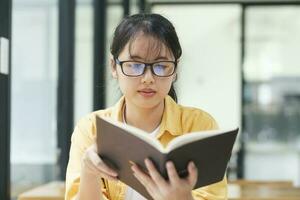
(147, 90)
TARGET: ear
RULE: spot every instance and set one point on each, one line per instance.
(113, 68)
(174, 77)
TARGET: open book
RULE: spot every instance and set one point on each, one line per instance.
(119, 144)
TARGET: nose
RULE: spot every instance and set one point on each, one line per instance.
(148, 76)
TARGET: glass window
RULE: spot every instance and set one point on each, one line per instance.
(114, 16)
(209, 70)
(272, 92)
(84, 78)
(34, 87)
(84, 72)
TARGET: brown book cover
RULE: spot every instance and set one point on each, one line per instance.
(118, 144)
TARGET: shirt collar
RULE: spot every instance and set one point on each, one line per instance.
(171, 120)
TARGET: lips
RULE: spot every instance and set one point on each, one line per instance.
(147, 92)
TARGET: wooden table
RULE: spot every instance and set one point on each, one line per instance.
(237, 190)
(50, 191)
(263, 190)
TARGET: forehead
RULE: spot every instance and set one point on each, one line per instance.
(147, 48)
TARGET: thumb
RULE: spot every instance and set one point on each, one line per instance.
(193, 174)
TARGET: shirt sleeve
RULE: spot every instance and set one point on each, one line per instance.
(82, 138)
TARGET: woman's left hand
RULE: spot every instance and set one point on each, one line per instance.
(160, 189)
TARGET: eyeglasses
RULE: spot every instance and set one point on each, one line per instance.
(135, 68)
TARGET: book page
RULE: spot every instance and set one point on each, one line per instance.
(194, 136)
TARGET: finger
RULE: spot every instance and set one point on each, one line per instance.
(138, 178)
(104, 167)
(151, 190)
(94, 147)
(193, 174)
(97, 172)
(93, 157)
(172, 173)
(154, 174)
(98, 162)
(143, 177)
(111, 178)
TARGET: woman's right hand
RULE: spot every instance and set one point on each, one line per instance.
(93, 164)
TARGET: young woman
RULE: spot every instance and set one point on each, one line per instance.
(145, 54)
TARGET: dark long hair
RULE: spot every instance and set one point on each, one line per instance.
(153, 25)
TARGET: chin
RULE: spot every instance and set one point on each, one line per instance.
(148, 103)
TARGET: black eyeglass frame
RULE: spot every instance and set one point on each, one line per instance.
(146, 65)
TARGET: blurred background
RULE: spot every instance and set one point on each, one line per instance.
(240, 63)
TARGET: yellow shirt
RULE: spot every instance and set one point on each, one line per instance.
(176, 120)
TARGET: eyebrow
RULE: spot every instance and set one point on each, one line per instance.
(158, 58)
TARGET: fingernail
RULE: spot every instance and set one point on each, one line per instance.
(113, 173)
(193, 165)
(147, 161)
(169, 164)
(131, 162)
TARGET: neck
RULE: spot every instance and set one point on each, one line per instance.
(137, 117)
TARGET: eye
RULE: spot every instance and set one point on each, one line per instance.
(164, 68)
(161, 66)
(137, 65)
(133, 65)
(159, 69)
(135, 68)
